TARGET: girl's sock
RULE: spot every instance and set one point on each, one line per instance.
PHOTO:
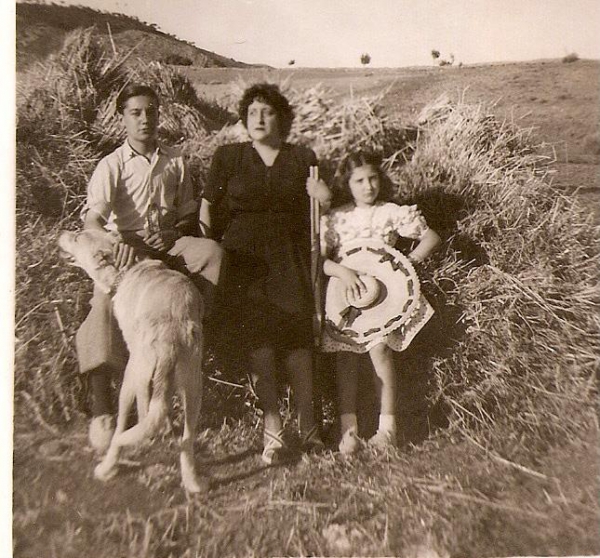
(349, 442)
(349, 422)
(387, 423)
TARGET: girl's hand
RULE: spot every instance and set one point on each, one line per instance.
(162, 241)
(355, 288)
(319, 190)
(123, 254)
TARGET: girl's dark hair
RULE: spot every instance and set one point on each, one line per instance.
(270, 94)
(353, 161)
(135, 90)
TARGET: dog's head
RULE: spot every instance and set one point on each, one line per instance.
(91, 250)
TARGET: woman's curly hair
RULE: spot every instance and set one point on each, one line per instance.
(270, 94)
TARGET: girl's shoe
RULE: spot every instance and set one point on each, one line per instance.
(312, 443)
(350, 442)
(383, 439)
(274, 447)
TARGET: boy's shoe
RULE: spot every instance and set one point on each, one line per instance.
(101, 432)
(350, 442)
(383, 439)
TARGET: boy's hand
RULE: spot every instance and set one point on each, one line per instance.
(355, 288)
(162, 241)
(319, 190)
(124, 255)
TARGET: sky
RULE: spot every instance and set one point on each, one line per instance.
(395, 33)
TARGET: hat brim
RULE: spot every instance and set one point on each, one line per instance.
(402, 291)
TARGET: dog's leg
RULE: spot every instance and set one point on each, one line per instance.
(142, 394)
(107, 468)
(190, 384)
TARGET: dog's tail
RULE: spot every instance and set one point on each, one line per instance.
(162, 376)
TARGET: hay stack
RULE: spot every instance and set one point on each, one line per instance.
(519, 267)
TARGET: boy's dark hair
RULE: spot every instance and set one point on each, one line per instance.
(135, 90)
(353, 161)
(270, 94)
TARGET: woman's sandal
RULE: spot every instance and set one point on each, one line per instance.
(274, 447)
(312, 443)
(350, 442)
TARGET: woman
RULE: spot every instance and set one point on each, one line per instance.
(266, 293)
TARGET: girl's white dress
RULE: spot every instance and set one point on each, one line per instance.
(382, 221)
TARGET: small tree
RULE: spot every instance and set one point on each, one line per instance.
(291, 62)
(365, 59)
(435, 54)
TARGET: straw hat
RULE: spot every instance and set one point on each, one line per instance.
(393, 292)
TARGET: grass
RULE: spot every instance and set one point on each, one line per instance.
(497, 399)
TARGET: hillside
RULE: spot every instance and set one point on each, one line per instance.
(41, 29)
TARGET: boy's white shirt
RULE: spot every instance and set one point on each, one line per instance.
(144, 185)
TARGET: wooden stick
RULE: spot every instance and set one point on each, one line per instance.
(315, 213)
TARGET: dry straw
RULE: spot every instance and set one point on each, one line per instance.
(515, 286)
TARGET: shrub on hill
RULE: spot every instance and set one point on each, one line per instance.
(572, 57)
(177, 60)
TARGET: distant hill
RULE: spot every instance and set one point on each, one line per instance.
(41, 29)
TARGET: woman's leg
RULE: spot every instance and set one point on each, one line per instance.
(264, 377)
(346, 378)
(382, 358)
(299, 363)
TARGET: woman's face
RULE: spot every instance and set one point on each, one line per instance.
(262, 123)
(364, 185)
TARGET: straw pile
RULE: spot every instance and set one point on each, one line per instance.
(520, 266)
(515, 285)
(66, 122)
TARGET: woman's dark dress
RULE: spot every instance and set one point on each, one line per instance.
(265, 291)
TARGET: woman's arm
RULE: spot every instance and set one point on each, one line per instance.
(205, 219)
(428, 243)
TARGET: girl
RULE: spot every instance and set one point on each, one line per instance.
(369, 217)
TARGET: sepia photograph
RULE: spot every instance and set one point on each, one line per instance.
(301, 278)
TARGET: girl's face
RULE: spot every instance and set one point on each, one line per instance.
(364, 185)
(262, 123)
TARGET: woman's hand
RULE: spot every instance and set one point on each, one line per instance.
(162, 241)
(319, 190)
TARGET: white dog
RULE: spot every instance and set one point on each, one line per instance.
(160, 314)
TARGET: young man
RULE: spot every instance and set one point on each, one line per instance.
(142, 192)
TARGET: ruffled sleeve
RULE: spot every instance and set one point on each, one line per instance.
(408, 221)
